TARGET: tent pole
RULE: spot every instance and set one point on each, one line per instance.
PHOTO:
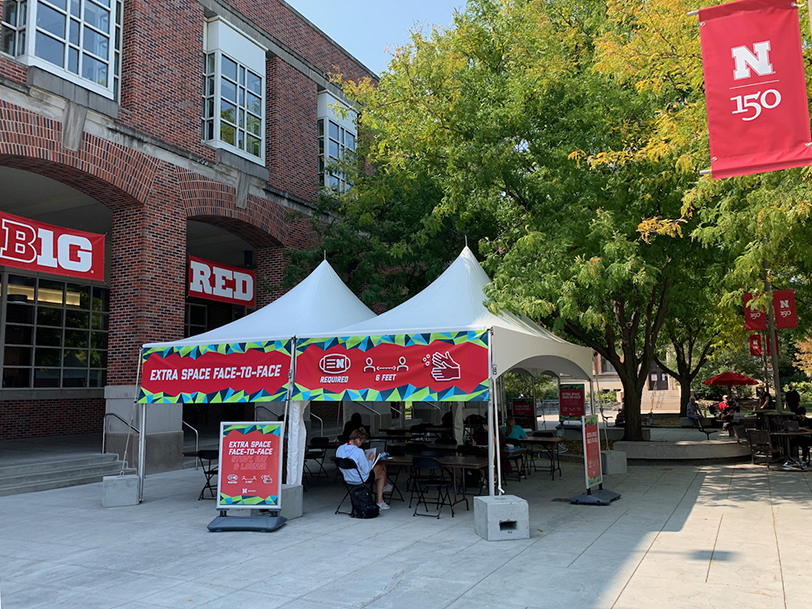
(491, 407)
(535, 414)
(142, 452)
(289, 394)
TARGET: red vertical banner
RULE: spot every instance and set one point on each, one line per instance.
(758, 115)
(754, 319)
(784, 306)
(755, 345)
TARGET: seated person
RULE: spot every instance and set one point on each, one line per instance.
(352, 450)
(513, 431)
(727, 408)
(694, 413)
(350, 426)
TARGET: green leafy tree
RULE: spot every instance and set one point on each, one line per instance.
(502, 125)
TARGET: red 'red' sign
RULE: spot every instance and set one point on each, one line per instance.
(215, 281)
(758, 115)
(35, 246)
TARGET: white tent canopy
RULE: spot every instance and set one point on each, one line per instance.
(455, 301)
(320, 303)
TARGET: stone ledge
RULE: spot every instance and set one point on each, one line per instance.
(685, 450)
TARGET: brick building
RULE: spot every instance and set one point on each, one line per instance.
(177, 128)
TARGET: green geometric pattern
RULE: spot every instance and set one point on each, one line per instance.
(405, 392)
(224, 395)
(274, 429)
(247, 500)
(195, 351)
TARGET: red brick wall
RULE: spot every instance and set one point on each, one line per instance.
(285, 25)
(42, 418)
(162, 63)
(291, 147)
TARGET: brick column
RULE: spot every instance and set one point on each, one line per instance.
(148, 270)
(270, 270)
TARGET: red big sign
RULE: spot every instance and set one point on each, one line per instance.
(35, 246)
(215, 281)
(758, 116)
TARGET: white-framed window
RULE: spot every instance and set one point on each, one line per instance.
(79, 40)
(233, 115)
(337, 134)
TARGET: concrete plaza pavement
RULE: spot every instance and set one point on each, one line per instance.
(680, 536)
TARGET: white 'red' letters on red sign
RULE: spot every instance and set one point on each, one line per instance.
(214, 281)
(51, 249)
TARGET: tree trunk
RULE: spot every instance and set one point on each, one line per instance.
(684, 396)
(632, 403)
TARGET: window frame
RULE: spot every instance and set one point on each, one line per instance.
(64, 348)
(25, 51)
(344, 125)
(212, 98)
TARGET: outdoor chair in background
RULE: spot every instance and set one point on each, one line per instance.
(344, 465)
(762, 450)
(740, 433)
(316, 456)
(427, 476)
(209, 462)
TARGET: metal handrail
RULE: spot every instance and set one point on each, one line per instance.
(104, 427)
(258, 406)
(321, 421)
(197, 437)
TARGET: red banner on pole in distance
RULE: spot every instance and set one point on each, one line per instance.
(784, 306)
(217, 373)
(755, 345)
(784, 309)
(36, 246)
(758, 114)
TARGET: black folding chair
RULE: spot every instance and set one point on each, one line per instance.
(344, 465)
(428, 475)
(209, 462)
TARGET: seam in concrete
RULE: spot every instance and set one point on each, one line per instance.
(715, 541)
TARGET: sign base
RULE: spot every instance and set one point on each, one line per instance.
(597, 497)
(261, 524)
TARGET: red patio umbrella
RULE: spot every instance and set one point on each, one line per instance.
(730, 378)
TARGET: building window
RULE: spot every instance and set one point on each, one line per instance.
(79, 40)
(55, 333)
(196, 320)
(336, 134)
(233, 115)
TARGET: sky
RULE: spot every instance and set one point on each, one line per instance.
(366, 28)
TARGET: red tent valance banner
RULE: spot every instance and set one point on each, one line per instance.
(426, 367)
(758, 115)
(45, 248)
(221, 282)
(209, 374)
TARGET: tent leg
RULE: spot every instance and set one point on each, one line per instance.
(142, 452)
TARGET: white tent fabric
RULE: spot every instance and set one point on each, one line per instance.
(455, 301)
(319, 303)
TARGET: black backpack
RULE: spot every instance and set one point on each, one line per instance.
(363, 505)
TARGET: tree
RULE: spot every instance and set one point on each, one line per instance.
(506, 119)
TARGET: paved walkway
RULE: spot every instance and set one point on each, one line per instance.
(681, 536)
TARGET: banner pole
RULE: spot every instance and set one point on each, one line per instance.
(768, 289)
(142, 435)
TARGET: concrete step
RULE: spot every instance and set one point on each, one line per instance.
(45, 475)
